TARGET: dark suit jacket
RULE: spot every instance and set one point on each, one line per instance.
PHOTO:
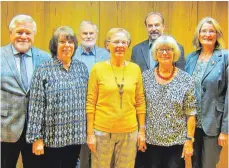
(140, 56)
(214, 96)
(14, 97)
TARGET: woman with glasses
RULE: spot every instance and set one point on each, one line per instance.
(208, 66)
(56, 120)
(115, 107)
(170, 108)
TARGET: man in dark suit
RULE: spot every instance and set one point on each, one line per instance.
(141, 53)
(19, 59)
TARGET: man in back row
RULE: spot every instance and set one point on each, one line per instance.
(89, 53)
(141, 55)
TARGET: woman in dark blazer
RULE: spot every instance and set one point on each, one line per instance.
(209, 67)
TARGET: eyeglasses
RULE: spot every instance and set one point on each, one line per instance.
(167, 50)
(204, 32)
(117, 42)
(63, 42)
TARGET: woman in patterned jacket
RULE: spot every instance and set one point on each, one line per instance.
(57, 123)
(170, 108)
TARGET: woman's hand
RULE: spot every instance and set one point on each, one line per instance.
(187, 150)
(91, 142)
(141, 141)
(38, 147)
(223, 139)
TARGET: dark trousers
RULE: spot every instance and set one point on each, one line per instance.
(85, 156)
(64, 157)
(141, 159)
(206, 150)
(163, 157)
(10, 153)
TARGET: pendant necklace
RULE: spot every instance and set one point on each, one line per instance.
(119, 85)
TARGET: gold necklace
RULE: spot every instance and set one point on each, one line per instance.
(119, 85)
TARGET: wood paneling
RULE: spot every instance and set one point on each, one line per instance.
(181, 18)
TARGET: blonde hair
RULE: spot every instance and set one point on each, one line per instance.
(167, 41)
(113, 31)
(219, 38)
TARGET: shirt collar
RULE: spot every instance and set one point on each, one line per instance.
(92, 52)
(15, 52)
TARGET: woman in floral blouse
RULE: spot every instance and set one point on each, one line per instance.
(170, 108)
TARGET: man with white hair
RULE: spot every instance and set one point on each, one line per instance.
(19, 59)
(89, 53)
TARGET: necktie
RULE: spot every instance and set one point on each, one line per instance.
(24, 77)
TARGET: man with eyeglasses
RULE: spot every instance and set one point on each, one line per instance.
(90, 54)
(141, 53)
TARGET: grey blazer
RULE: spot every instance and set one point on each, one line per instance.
(140, 56)
(214, 98)
(14, 97)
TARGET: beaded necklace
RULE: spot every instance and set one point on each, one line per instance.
(165, 78)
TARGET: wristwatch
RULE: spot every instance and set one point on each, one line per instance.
(190, 138)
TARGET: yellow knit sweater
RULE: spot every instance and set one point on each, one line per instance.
(103, 97)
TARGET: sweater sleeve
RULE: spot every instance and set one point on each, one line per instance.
(36, 107)
(92, 94)
(139, 94)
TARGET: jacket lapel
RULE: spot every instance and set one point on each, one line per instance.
(35, 57)
(145, 51)
(192, 62)
(215, 58)
(12, 64)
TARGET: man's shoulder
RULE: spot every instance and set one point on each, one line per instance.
(101, 50)
(179, 45)
(5, 48)
(39, 51)
(146, 42)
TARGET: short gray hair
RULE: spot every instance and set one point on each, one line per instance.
(86, 22)
(22, 19)
(168, 41)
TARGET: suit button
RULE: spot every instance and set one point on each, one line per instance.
(204, 89)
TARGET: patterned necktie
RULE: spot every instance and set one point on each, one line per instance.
(24, 77)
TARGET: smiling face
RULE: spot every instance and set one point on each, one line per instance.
(165, 55)
(88, 36)
(118, 45)
(207, 35)
(154, 26)
(65, 48)
(22, 36)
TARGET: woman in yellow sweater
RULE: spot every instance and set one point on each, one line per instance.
(115, 107)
